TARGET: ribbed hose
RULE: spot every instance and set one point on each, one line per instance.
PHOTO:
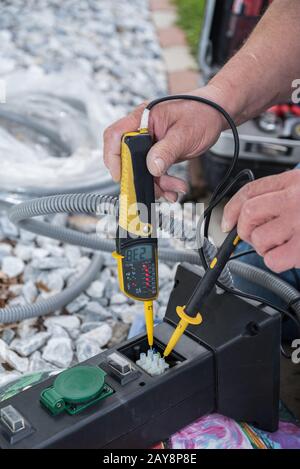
(71, 203)
(80, 203)
(269, 281)
(107, 205)
(49, 305)
(254, 275)
(91, 203)
(210, 251)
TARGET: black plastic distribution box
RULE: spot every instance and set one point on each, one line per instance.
(229, 364)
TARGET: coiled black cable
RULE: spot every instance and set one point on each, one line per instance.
(222, 189)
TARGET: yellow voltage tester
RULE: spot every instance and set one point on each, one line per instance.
(136, 240)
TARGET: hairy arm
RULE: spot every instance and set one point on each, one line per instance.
(259, 75)
(262, 72)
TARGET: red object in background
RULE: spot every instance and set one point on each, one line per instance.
(250, 7)
(244, 17)
(285, 110)
(295, 109)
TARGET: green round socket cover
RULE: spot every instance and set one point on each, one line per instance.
(80, 384)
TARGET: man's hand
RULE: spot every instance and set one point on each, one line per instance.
(182, 130)
(267, 215)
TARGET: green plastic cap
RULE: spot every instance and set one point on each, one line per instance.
(80, 384)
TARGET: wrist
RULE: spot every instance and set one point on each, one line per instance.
(221, 93)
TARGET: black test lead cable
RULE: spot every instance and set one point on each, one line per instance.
(222, 189)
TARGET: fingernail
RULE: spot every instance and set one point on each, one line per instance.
(160, 165)
(171, 197)
(115, 176)
(225, 227)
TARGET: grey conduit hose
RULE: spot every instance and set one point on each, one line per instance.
(46, 306)
(80, 203)
(255, 275)
(270, 281)
(71, 203)
(210, 251)
(98, 204)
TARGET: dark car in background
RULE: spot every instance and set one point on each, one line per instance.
(270, 143)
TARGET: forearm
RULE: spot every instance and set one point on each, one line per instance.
(262, 72)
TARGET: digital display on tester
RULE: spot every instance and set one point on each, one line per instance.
(139, 253)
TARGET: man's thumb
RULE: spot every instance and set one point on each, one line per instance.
(164, 153)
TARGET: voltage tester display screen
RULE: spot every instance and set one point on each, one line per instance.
(139, 253)
(139, 271)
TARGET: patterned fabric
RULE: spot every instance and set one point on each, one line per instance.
(218, 432)
(211, 432)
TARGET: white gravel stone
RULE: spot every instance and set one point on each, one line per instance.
(65, 273)
(65, 321)
(43, 242)
(118, 299)
(164, 293)
(19, 301)
(96, 289)
(76, 305)
(103, 301)
(111, 287)
(82, 264)
(58, 351)
(160, 312)
(73, 254)
(26, 347)
(86, 349)
(36, 363)
(57, 331)
(30, 273)
(27, 237)
(8, 377)
(5, 250)
(49, 263)
(105, 275)
(53, 281)
(128, 313)
(74, 333)
(55, 251)
(30, 292)
(27, 328)
(8, 335)
(101, 335)
(88, 326)
(164, 273)
(12, 266)
(16, 289)
(60, 219)
(8, 229)
(40, 253)
(7, 66)
(12, 359)
(97, 310)
(24, 252)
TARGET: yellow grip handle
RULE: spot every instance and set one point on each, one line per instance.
(128, 200)
(129, 211)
